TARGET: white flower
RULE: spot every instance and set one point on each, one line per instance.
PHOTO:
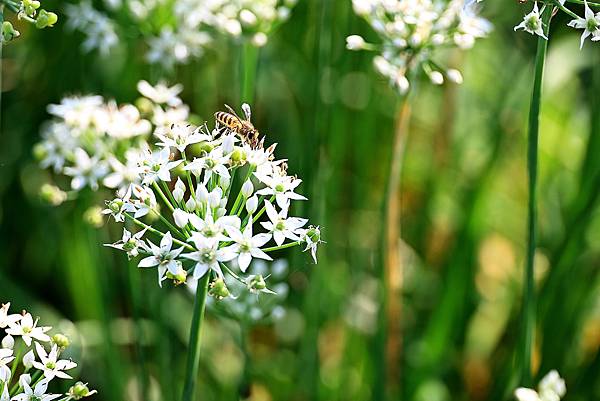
(247, 246)
(551, 388)
(123, 175)
(161, 93)
(164, 257)
(208, 257)
(590, 24)
(532, 22)
(158, 166)
(51, 365)
(26, 328)
(129, 243)
(76, 111)
(5, 318)
(209, 229)
(526, 394)
(86, 171)
(282, 187)
(180, 136)
(311, 236)
(6, 356)
(281, 226)
(212, 163)
(36, 394)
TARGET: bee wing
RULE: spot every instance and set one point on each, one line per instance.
(232, 111)
(247, 112)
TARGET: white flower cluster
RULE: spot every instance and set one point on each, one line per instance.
(590, 22)
(101, 143)
(204, 192)
(195, 24)
(26, 10)
(412, 31)
(27, 349)
(551, 388)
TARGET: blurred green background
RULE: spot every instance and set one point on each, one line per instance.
(463, 220)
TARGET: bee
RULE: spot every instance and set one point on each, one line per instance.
(242, 127)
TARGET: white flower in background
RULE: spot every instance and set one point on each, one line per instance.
(123, 175)
(76, 111)
(50, 365)
(590, 24)
(98, 28)
(164, 257)
(7, 319)
(131, 244)
(247, 246)
(121, 122)
(161, 93)
(86, 170)
(551, 388)
(281, 226)
(27, 329)
(532, 22)
(412, 31)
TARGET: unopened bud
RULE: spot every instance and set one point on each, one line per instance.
(28, 359)
(454, 76)
(202, 193)
(214, 198)
(224, 182)
(45, 19)
(355, 42)
(191, 204)
(8, 342)
(61, 340)
(179, 190)
(252, 204)
(52, 194)
(180, 217)
(247, 189)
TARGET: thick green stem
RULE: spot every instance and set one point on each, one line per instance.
(528, 314)
(195, 339)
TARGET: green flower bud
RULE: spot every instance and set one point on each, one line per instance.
(80, 390)
(30, 6)
(39, 151)
(115, 205)
(45, 19)
(93, 216)
(61, 340)
(145, 106)
(52, 194)
(256, 283)
(218, 289)
(9, 33)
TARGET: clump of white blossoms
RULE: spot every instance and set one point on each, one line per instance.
(412, 32)
(25, 10)
(193, 26)
(589, 22)
(216, 202)
(98, 143)
(30, 359)
(551, 388)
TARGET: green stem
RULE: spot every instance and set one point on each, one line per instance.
(195, 339)
(528, 315)
(276, 248)
(249, 65)
(163, 197)
(157, 232)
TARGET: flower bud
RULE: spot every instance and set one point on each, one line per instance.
(252, 204)
(247, 189)
(218, 289)
(256, 283)
(8, 342)
(436, 77)
(52, 194)
(224, 182)
(180, 217)
(214, 198)
(28, 359)
(80, 390)
(454, 76)
(191, 204)
(228, 144)
(355, 42)
(61, 340)
(179, 190)
(45, 19)
(145, 106)
(260, 39)
(8, 34)
(247, 17)
(93, 216)
(221, 212)
(201, 193)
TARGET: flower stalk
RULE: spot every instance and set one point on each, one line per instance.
(529, 299)
(195, 339)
